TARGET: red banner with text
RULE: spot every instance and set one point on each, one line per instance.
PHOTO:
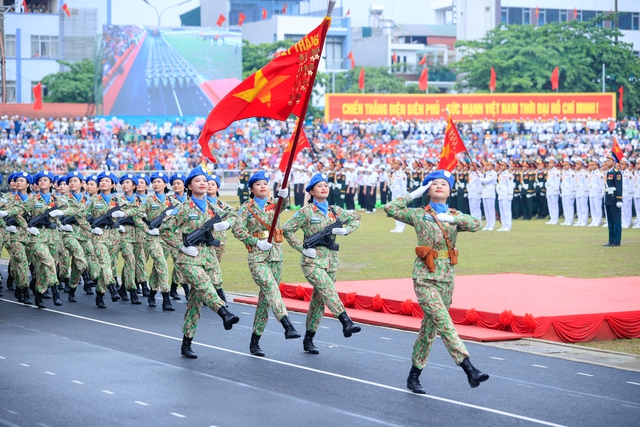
(467, 107)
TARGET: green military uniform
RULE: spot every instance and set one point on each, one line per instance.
(172, 242)
(105, 245)
(17, 242)
(132, 207)
(159, 278)
(541, 194)
(140, 249)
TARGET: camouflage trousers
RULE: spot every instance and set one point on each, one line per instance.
(324, 293)
(78, 260)
(159, 278)
(128, 273)
(202, 291)
(105, 258)
(176, 276)
(40, 253)
(435, 300)
(19, 262)
(62, 258)
(267, 277)
(141, 252)
(219, 252)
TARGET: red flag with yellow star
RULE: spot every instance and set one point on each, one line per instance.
(274, 91)
(453, 145)
(303, 142)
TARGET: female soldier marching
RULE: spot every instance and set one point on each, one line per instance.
(179, 196)
(320, 263)
(437, 228)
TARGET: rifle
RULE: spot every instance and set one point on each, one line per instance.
(43, 220)
(323, 237)
(105, 221)
(203, 235)
(69, 220)
(155, 223)
(10, 220)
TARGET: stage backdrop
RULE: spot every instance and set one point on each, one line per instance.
(469, 107)
(165, 71)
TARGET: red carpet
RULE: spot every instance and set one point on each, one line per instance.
(499, 306)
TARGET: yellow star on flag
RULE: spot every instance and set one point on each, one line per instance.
(261, 88)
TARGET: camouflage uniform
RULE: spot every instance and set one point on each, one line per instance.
(141, 251)
(173, 241)
(16, 243)
(229, 214)
(320, 271)
(265, 266)
(78, 242)
(159, 278)
(105, 245)
(134, 209)
(433, 290)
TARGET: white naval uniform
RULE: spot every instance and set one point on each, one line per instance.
(505, 188)
(627, 197)
(596, 194)
(553, 190)
(489, 198)
(474, 194)
(636, 196)
(568, 192)
(582, 197)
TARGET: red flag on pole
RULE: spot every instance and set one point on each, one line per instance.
(37, 96)
(453, 145)
(66, 10)
(264, 13)
(275, 91)
(284, 8)
(492, 80)
(575, 13)
(537, 13)
(423, 81)
(361, 79)
(620, 99)
(423, 61)
(353, 61)
(394, 58)
(241, 18)
(221, 20)
(24, 6)
(554, 79)
(616, 150)
(348, 12)
(303, 142)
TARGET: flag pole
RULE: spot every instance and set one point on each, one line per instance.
(464, 145)
(303, 114)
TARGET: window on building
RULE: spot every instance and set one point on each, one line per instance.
(10, 45)
(504, 13)
(333, 53)
(635, 21)
(579, 16)
(526, 16)
(624, 21)
(563, 16)
(11, 90)
(588, 14)
(515, 15)
(552, 15)
(44, 46)
(542, 19)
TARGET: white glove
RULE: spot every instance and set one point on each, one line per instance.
(263, 245)
(3, 214)
(122, 229)
(611, 190)
(309, 253)
(55, 213)
(153, 232)
(342, 196)
(416, 194)
(618, 205)
(240, 185)
(340, 231)
(443, 217)
(283, 193)
(66, 227)
(33, 230)
(221, 226)
(11, 229)
(118, 214)
(97, 231)
(189, 250)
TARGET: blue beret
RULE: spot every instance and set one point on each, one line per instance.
(129, 176)
(197, 171)
(319, 177)
(45, 174)
(177, 177)
(439, 174)
(107, 174)
(25, 176)
(93, 178)
(259, 176)
(145, 177)
(160, 175)
(11, 177)
(74, 174)
(214, 177)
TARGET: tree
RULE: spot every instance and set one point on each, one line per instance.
(524, 56)
(377, 80)
(74, 85)
(256, 56)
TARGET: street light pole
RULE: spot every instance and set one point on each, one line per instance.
(159, 13)
(3, 60)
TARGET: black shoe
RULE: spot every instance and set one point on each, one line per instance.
(10, 286)
(174, 293)
(88, 281)
(254, 346)
(65, 284)
(307, 343)
(614, 245)
(114, 294)
(348, 328)
(145, 289)
(222, 296)
(17, 292)
(166, 302)
(608, 244)
(72, 295)
(25, 295)
(122, 292)
(151, 298)
(228, 319)
(100, 300)
(56, 296)
(413, 381)
(39, 303)
(474, 376)
(186, 348)
(87, 285)
(289, 331)
(134, 297)
(185, 288)
(46, 294)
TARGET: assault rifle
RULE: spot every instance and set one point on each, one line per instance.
(155, 223)
(106, 220)
(10, 220)
(323, 237)
(43, 220)
(69, 220)
(203, 235)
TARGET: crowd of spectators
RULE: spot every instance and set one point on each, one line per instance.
(61, 144)
(115, 41)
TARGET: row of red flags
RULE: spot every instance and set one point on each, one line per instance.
(242, 17)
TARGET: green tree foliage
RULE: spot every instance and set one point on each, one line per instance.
(256, 56)
(524, 56)
(376, 80)
(74, 85)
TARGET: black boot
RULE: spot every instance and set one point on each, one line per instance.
(100, 300)
(185, 288)
(72, 295)
(46, 294)
(10, 286)
(17, 292)
(151, 298)
(39, 302)
(88, 283)
(134, 297)
(228, 318)
(145, 289)
(348, 328)
(56, 296)
(186, 348)
(166, 302)
(289, 331)
(138, 289)
(64, 283)
(307, 343)
(174, 293)
(254, 346)
(413, 381)
(25, 295)
(222, 296)
(114, 294)
(122, 292)
(474, 376)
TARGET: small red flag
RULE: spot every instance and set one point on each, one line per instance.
(24, 6)
(423, 81)
(241, 18)
(353, 61)
(348, 12)
(284, 8)
(303, 142)
(554, 79)
(492, 81)
(221, 20)
(616, 151)
(66, 10)
(264, 13)
(537, 13)
(575, 13)
(394, 58)
(37, 96)
(453, 145)
(423, 61)
(620, 99)
(361, 79)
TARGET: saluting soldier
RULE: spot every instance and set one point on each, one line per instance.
(320, 263)
(627, 191)
(528, 190)
(179, 196)
(243, 179)
(613, 200)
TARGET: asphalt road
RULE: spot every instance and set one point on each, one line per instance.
(77, 365)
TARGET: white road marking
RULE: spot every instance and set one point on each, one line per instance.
(525, 385)
(77, 382)
(324, 327)
(49, 373)
(295, 321)
(631, 382)
(24, 364)
(586, 375)
(177, 102)
(8, 423)
(497, 358)
(43, 425)
(314, 370)
(631, 406)
(2, 357)
(12, 412)
(540, 366)
(108, 392)
(248, 314)
(385, 338)
(175, 414)
(141, 403)
(574, 395)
